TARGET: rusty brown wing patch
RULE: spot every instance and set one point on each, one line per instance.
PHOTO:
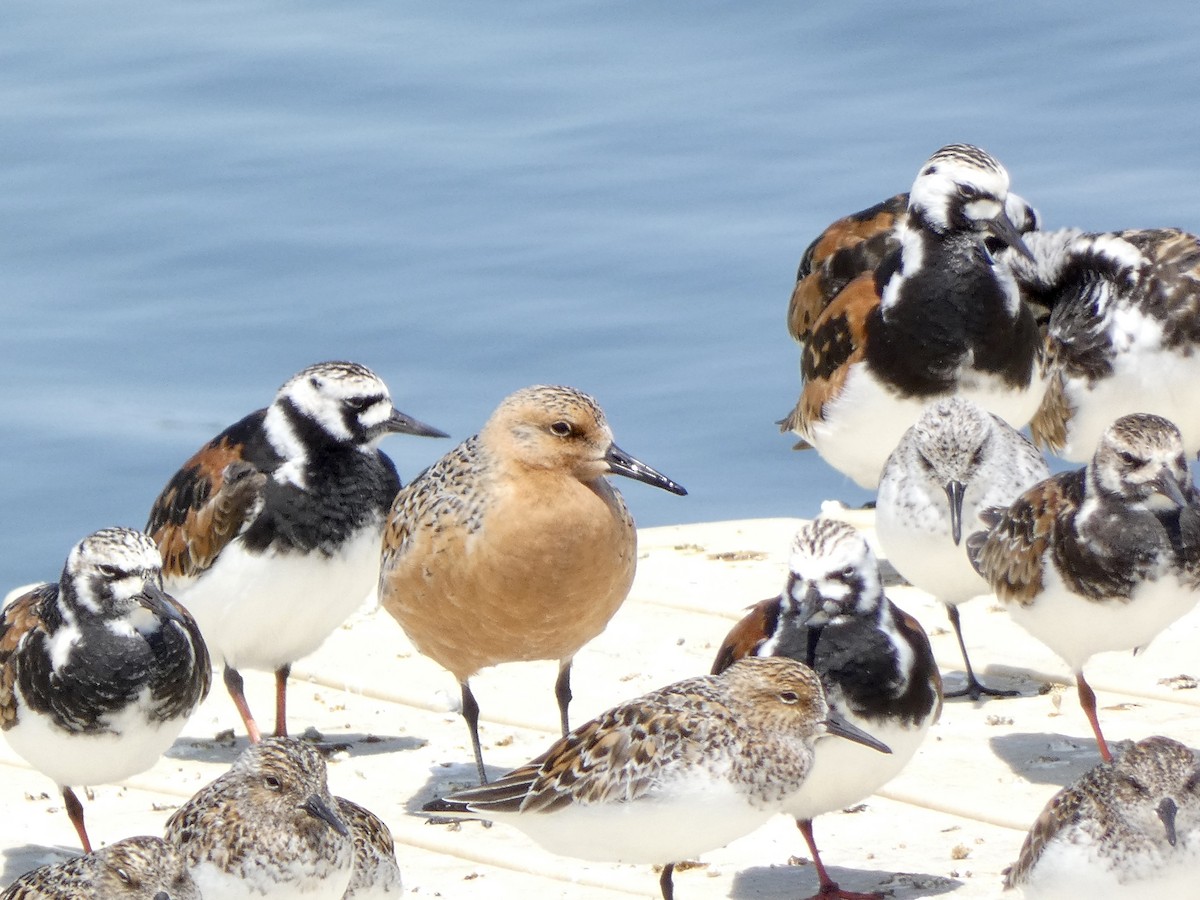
(747, 635)
(204, 507)
(838, 342)
(21, 619)
(850, 247)
(1012, 557)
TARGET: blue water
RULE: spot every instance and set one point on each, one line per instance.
(198, 199)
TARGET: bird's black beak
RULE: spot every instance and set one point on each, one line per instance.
(812, 608)
(1164, 482)
(319, 809)
(835, 724)
(621, 463)
(399, 423)
(954, 493)
(158, 602)
(1166, 811)
(1004, 230)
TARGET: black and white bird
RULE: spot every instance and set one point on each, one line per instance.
(935, 317)
(874, 661)
(1123, 335)
(270, 533)
(1100, 558)
(956, 461)
(99, 671)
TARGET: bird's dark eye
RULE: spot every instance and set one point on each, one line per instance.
(124, 876)
(847, 573)
(969, 191)
(789, 697)
(562, 429)
(358, 404)
(1136, 785)
(272, 782)
(1128, 458)
(110, 571)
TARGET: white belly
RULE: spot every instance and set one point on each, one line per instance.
(1069, 871)
(257, 885)
(864, 424)
(72, 759)
(262, 612)
(1076, 628)
(1143, 381)
(916, 539)
(844, 773)
(649, 830)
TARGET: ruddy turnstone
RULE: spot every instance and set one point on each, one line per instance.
(137, 868)
(936, 317)
(99, 671)
(858, 244)
(677, 772)
(955, 461)
(1101, 558)
(514, 546)
(376, 872)
(1129, 828)
(270, 532)
(874, 661)
(267, 828)
(1124, 334)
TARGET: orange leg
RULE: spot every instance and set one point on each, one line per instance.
(1087, 699)
(236, 688)
(75, 814)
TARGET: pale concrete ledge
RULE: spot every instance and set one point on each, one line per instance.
(948, 824)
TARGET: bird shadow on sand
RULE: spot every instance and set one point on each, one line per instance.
(1048, 757)
(25, 857)
(800, 881)
(445, 779)
(225, 748)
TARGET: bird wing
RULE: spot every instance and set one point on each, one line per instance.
(836, 343)
(1062, 809)
(22, 619)
(851, 246)
(747, 635)
(210, 501)
(1011, 553)
(617, 757)
(1173, 283)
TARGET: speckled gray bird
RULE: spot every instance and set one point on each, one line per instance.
(137, 868)
(955, 462)
(376, 872)
(1126, 829)
(267, 828)
(674, 773)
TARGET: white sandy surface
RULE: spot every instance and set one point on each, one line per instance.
(948, 825)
